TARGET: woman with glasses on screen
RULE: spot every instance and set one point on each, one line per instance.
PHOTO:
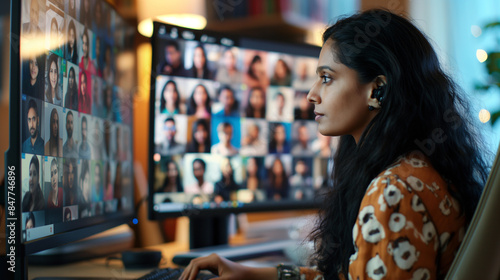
(409, 169)
(53, 94)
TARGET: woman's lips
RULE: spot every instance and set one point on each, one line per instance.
(318, 116)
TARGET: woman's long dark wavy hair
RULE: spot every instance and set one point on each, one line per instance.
(192, 104)
(419, 101)
(193, 146)
(163, 101)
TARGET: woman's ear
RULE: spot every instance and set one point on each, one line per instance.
(378, 91)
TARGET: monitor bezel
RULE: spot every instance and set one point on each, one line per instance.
(301, 49)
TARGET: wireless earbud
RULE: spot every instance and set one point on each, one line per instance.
(378, 94)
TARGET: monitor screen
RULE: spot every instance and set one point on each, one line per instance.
(231, 129)
(71, 128)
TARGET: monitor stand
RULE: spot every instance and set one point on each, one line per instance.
(208, 231)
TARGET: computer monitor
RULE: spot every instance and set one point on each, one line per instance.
(69, 164)
(231, 129)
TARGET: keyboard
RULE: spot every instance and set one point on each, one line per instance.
(173, 274)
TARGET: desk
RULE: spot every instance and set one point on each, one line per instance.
(111, 269)
(114, 269)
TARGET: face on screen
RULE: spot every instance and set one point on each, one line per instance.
(33, 177)
(33, 122)
(54, 175)
(34, 69)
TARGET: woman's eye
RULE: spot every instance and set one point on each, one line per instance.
(325, 79)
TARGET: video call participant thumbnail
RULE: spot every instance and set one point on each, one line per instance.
(55, 198)
(33, 199)
(70, 185)
(201, 186)
(70, 147)
(170, 146)
(33, 77)
(173, 63)
(224, 147)
(34, 144)
(54, 146)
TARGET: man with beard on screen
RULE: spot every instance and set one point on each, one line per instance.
(70, 146)
(34, 144)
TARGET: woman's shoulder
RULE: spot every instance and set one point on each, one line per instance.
(413, 165)
(412, 179)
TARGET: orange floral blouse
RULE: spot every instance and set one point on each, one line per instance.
(409, 226)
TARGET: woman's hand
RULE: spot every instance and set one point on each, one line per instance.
(226, 269)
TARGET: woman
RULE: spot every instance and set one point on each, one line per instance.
(199, 103)
(107, 70)
(256, 104)
(200, 137)
(200, 69)
(55, 198)
(277, 186)
(53, 94)
(33, 81)
(72, 8)
(226, 186)
(71, 46)
(84, 99)
(278, 143)
(172, 182)
(86, 63)
(253, 185)
(54, 36)
(383, 174)
(71, 97)
(256, 75)
(170, 99)
(85, 16)
(54, 146)
(282, 75)
(33, 198)
(84, 193)
(108, 184)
